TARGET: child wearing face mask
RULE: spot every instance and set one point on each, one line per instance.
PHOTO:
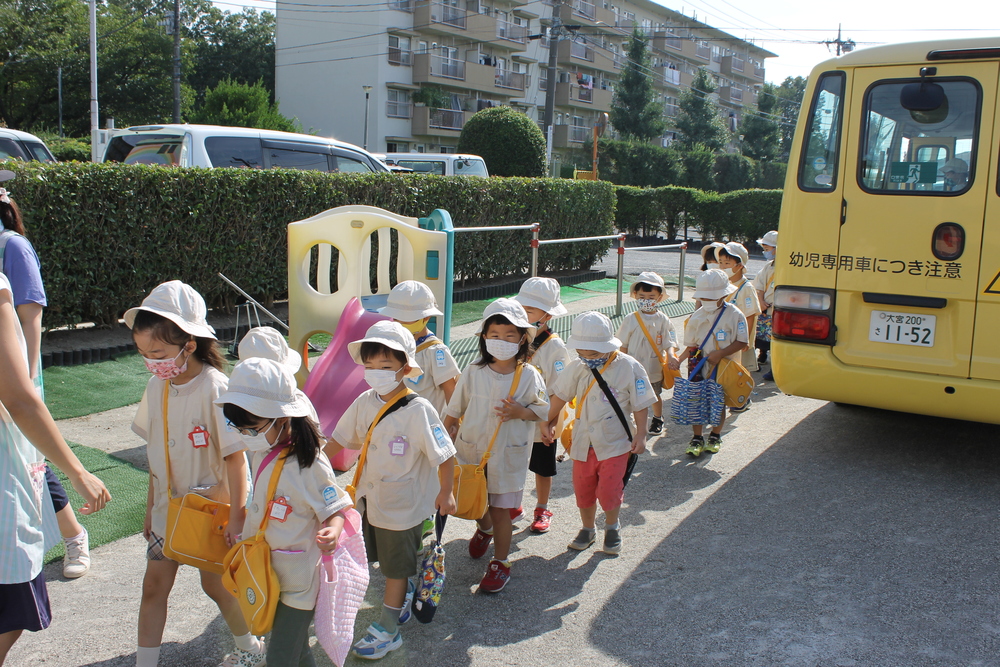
(764, 284)
(733, 260)
(709, 260)
(306, 512)
(648, 290)
(412, 304)
(717, 335)
(406, 471)
(601, 445)
(481, 397)
(177, 414)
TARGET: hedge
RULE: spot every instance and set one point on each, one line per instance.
(108, 233)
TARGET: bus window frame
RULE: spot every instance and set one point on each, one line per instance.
(859, 175)
(842, 75)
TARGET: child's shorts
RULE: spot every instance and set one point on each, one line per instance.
(658, 388)
(25, 606)
(543, 459)
(59, 498)
(602, 481)
(154, 548)
(511, 500)
(394, 550)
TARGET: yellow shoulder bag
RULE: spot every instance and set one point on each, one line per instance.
(248, 574)
(352, 488)
(668, 373)
(470, 478)
(196, 525)
(566, 439)
(736, 381)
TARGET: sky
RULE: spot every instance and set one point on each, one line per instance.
(795, 29)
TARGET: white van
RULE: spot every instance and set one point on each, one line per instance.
(216, 146)
(17, 145)
(442, 164)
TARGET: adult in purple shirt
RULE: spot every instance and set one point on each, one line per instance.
(19, 262)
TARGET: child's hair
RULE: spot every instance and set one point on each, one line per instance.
(162, 329)
(370, 350)
(487, 358)
(722, 252)
(10, 216)
(305, 440)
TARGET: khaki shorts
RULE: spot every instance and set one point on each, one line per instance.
(395, 551)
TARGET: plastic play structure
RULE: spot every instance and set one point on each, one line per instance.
(343, 303)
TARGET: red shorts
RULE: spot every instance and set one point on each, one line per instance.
(602, 481)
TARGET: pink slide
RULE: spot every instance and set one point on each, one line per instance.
(335, 381)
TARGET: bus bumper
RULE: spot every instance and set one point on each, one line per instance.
(812, 371)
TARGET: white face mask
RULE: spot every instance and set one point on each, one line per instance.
(711, 265)
(382, 381)
(710, 306)
(259, 443)
(729, 272)
(502, 350)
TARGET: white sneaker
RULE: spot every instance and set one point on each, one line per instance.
(76, 562)
(241, 658)
(376, 643)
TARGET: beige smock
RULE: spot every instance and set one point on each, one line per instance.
(438, 366)
(480, 390)
(764, 282)
(551, 359)
(660, 328)
(400, 478)
(193, 469)
(732, 326)
(745, 298)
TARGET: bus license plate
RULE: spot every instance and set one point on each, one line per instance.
(902, 328)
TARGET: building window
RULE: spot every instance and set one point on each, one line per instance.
(399, 50)
(398, 104)
(396, 147)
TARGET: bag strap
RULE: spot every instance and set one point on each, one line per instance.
(496, 431)
(390, 407)
(732, 297)
(439, 521)
(272, 488)
(546, 336)
(712, 330)
(166, 437)
(612, 400)
(427, 343)
(579, 405)
(645, 331)
(267, 459)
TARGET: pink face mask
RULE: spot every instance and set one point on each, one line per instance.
(166, 369)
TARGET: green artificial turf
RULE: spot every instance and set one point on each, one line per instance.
(74, 391)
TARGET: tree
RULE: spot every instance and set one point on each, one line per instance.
(235, 46)
(635, 112)
(787, 101)
(760, 128)
(698, 118)
(510, 142)
(242, 105)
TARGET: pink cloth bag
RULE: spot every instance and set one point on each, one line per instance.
(342, 585)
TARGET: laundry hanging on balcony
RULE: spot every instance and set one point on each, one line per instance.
(585, 81)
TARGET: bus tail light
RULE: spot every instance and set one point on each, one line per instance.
(804, 314)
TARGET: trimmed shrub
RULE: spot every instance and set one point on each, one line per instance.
(648, 211)
(735, 172)
(510, 142)
(772, 175)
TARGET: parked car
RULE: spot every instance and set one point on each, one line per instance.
(216, 146)
(442, 164)
(18, 145)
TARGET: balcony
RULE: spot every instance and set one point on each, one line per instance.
(512, 32)
(733, 65)
(437, 122)
(666, 77)
(591, 13)
(667, 42)
(517, 81)
(576, 54)
(585, 9)
(398, 109)
(445, 19)
(429, 68)
(731, 94)
(702, 51)
(399, 56)
(671, 110)
(758, 73)
(572, 95)
(569, 136)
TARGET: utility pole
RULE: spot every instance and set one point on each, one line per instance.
(843, 45)
(59, 85)
(94, 120)
(177, 61)
(555, 31)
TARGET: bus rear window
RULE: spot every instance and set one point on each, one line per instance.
(820, 145)
(918, 152)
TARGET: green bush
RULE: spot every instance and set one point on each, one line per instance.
(735, 172)
(741, 215)
(108, 233)
(510, 142)
(772, 175)
(65, 149)
(648, 211)
(637, 163)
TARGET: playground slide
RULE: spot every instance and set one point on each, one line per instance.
(335, 381)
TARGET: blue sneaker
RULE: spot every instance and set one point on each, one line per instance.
(376, 643)
(769, 376)
(405, 612)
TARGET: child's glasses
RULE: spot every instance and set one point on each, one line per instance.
(248, 432)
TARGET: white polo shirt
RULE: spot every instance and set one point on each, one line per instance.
(764, 282)
(732, 326)
(660, 328)
(438, 366)
(745, 298)
(551, 359)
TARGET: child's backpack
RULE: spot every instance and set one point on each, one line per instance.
(428, 594)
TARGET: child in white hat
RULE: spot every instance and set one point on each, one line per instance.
(267, 343)
(177, 414)
(412, 304)
(601, 445)
(481, 401)
(548, 353)
(405, 473)
(648, 335)
(272, 416)
(733, 261)
(764, 284)
(709, 259)
(719, 330)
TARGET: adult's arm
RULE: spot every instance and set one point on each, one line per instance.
(30, 316)
(18, 395)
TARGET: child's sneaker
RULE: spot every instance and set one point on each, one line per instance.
(714, 442)
(376, 643)
(768, 376)
(241, 658)
(76, 562)
(656, 426)
(497, 576)
(404, 613)
(583, 539)
(542, 522)
(696, 446)
(746, 406)
(479, 544)
(612, 541)
(516, 513)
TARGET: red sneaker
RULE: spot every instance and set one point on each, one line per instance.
(516, 514)
(497, 576)
(542, 522)
(479, 543)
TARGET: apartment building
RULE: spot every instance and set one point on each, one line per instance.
(473, 54)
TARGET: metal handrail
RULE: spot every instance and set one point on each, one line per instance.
(621, 266)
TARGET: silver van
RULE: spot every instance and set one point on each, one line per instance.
(18, 145)
(442, 164)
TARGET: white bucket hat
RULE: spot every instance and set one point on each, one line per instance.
(712, 285)
(267, 343)
(710, 246)
(739, 250)
(410, 301)
(771, 239)
(648, 278)
(179, 303)
(265, 388)
(541, 293)
(393, 336)
(593, 331)
(512, 311)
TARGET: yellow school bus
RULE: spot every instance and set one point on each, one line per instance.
(888, 269)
